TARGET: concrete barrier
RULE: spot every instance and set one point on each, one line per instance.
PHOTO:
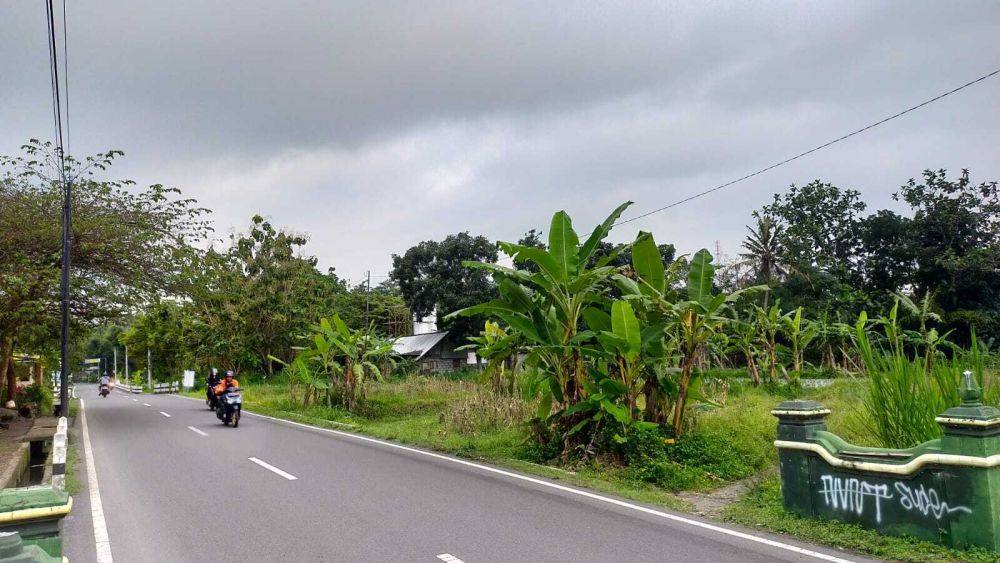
(945, 490)
(59, 443)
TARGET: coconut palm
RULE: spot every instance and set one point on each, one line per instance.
(763, 250)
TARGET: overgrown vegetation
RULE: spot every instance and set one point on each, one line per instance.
(623, 366)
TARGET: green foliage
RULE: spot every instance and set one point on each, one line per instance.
(39, 397)
(162, 331)
(339, 361)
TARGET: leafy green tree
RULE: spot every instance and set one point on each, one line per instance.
(955, 238)
(886, 260)
(129, 246)
(102, 342)
(431, 277)
(818, 225)
(162, 331)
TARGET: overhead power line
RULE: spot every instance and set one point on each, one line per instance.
(810, 151)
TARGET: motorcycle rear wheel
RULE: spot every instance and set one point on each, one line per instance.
(236, 419)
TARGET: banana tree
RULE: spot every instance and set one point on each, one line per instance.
(688, 323)
(768, 323)
(743, 340)
(545, 304)
(649, 291)
(695, 320)
(500, 348)
(799, 335)
(930, 339)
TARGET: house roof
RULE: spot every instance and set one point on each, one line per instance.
(419, 344)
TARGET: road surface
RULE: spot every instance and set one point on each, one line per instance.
(176, 485)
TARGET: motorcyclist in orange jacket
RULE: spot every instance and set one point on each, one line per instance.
(228, 381)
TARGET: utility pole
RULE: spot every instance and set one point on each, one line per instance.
(115, 370)
(367, 294)
(64, 333)
(149, 368)
(128, 376)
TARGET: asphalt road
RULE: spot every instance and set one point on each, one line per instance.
(183, 487)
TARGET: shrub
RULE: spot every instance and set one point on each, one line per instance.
(671, 475)
(40, 397)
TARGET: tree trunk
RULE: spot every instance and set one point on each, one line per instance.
(752, 367)
(6, 365)
(682, 391)
(773, 371)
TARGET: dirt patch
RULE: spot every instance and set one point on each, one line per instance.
(712, 504)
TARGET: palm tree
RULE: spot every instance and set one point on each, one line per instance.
(763, 250)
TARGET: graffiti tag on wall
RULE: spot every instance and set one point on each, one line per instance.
(854, 495)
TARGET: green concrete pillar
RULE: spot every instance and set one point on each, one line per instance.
(798, 421)
(973, 429)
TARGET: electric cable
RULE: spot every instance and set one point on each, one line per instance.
(810, 151)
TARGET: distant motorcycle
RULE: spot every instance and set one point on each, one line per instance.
(230, 406)
(105, 390)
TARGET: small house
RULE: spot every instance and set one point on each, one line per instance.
(432, 352)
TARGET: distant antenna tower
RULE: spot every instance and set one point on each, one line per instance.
(718, 253)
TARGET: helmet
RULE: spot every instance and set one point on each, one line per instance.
(229, 373)
(214, 371)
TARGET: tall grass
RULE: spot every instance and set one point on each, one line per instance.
(904, 395)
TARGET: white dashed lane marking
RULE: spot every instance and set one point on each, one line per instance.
(273, 469)
(449, 558)
(147, 404)
(165, 414)
(196, 431)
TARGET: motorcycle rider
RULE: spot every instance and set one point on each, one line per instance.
(103, 381)
(213, 378)
(229, 381)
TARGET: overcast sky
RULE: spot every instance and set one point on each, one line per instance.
(371, 126)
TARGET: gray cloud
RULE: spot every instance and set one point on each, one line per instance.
(372, 126)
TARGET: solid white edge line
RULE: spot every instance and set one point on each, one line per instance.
(165, 414)
(101, 540)
(564, 488)
(273, 469)
(196, 431)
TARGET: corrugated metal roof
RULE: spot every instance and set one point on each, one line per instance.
(417, 345)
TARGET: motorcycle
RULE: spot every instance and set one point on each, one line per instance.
(210, 398)
(230, 406)
(105, 390)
